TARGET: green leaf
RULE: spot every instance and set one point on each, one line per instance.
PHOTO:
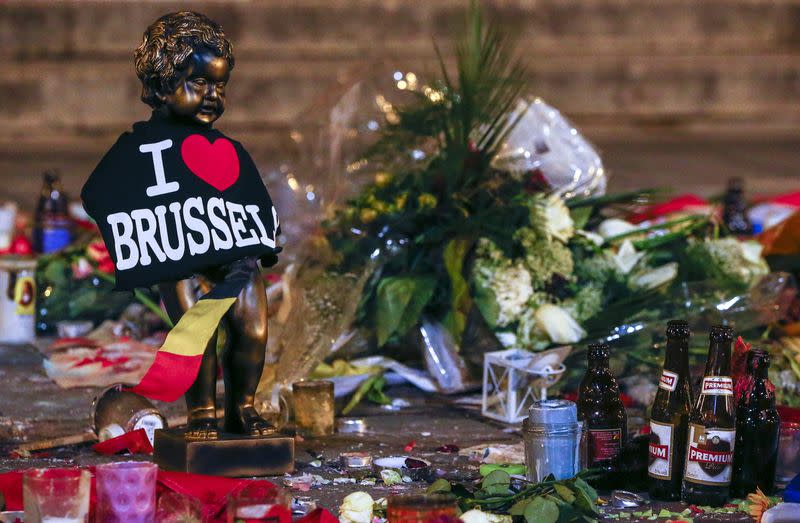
(580, 215)
(456, 319)
(496, 482)
(55, 272)
(518, 508)
(541, 510)
(376, 394)
(584, 502)
(487, 468)
(400, 301)
(581, 485)
(359, 394)
(486, 302)
(565, 492)
(440, 485)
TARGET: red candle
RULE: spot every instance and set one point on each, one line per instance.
(420, 508)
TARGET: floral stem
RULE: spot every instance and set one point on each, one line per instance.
(652, 228)
(147, 302)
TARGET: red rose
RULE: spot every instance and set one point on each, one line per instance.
(106, 266)
(96, 251)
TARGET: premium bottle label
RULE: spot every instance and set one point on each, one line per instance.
(709, 455)
(660, 450)
(668, 381)
(717, 386)
(605, 444)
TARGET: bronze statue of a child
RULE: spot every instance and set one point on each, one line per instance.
(184, 63)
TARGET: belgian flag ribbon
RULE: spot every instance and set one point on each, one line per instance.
(178, 360)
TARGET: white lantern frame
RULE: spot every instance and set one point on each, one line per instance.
(510, 381)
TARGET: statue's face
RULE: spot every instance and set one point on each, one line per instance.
(199, 96)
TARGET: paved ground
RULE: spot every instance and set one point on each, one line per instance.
(35, 409)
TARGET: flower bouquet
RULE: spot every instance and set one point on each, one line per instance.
(77, 283)
(463, 222)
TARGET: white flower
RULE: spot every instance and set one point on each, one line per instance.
(558, 324)
(559, 222)
(614, 227)
(356, 508)
(478, 516)
(512, 289)
(507, 339)
(626, 258)
(751, 251)
(657, 277)
(593, 237)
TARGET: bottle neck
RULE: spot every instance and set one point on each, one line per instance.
(719, 359)
(598, 364)
(760, 373)
(676, 358)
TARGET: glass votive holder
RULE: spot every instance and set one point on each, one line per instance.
(420, 508)
(174, 507)
(56, 495)
(788, 453)
(259, 501)
(126, 492)
(313, 407)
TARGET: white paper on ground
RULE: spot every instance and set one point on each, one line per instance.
(396, 373)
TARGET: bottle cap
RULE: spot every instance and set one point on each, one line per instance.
(735, 184)
(51, 176)
(598, 350)
(552, 412)
(678, 329)
(721, 333)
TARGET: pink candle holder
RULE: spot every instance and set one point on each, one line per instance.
(259, 502)
(126, 492)
(56, 495)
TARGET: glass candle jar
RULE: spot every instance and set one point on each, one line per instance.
(259, 501)
(788, 453)
(126, 491)
(56, 495)
(553, 439)
(313, 407)
(420, 508)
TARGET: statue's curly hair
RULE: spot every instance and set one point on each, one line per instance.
(167, 45)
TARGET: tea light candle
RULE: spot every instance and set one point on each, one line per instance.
(313, 407)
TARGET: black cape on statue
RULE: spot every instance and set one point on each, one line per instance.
(173, 199)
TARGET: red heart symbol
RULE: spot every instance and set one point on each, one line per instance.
(215, 163)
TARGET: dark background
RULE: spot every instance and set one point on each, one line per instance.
(679, 92)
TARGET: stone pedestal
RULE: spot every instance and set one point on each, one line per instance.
(231, 455)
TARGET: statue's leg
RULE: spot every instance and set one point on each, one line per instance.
(201, 396)
(243, 359)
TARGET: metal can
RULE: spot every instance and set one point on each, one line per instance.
(116, 411)
(17, 299)
(554, 442)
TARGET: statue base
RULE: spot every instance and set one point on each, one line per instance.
(231, 455)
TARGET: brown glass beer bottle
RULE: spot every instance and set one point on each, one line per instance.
(712, 428)
(757, 429)
(602, 411)
(669, 418)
